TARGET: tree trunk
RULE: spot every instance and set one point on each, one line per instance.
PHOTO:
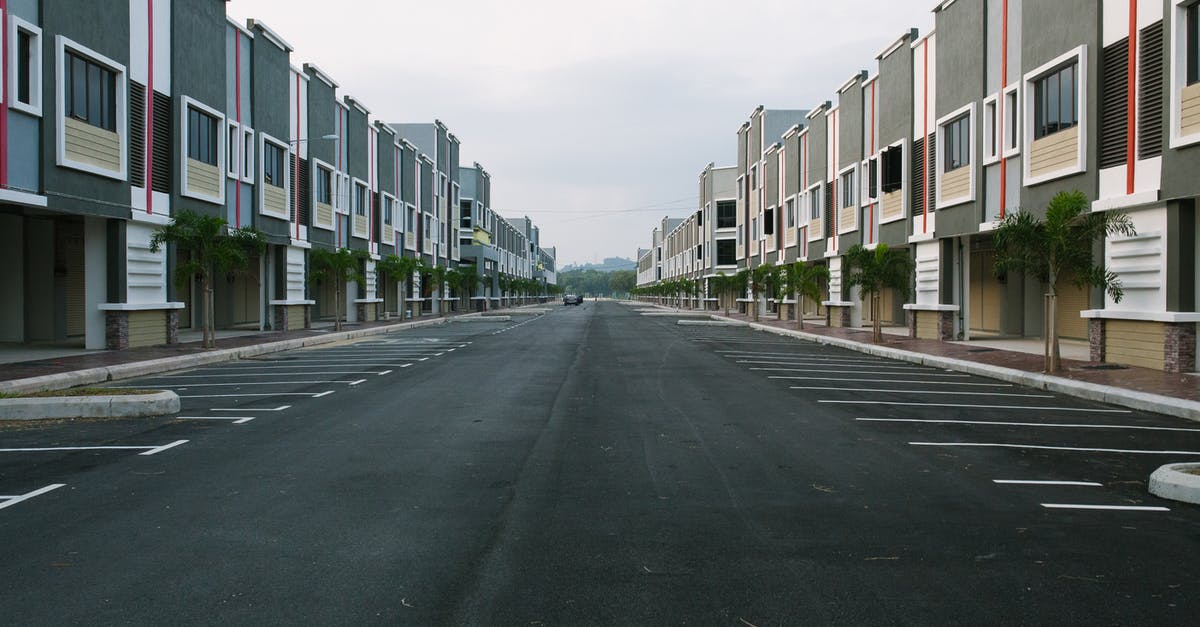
(876, 325)
(208, 327)
(337, 306)
(1053, 358)
(403, 294)
(800, 311)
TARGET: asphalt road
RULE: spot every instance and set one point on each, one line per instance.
(596, 466)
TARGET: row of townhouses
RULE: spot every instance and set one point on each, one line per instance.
(115, 115)
(1004, 104)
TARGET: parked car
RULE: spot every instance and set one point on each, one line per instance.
(572, 299)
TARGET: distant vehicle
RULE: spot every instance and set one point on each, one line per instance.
(572, 299)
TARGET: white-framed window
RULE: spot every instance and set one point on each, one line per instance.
(816, 211)
(361, 198)
(247, 154)
(202, 155)
(753, 177)
(92, 108)
(1055, 114)
(955, 154)
(1011, 139)
(233, 145)
(790, 210)
(25, 75)
(1185, 73)
(274, 185)
(991, 129)
(274, 166)
(769, 221)
(389, 208)
(741, 193)
(754, 228)
(324, 192)
(847, 189)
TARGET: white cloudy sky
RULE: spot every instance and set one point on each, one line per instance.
(593, 119)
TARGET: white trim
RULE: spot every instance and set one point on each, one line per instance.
(246, 158)
(1081, 72)
(969, 110)
(1144, 316)
(186, 102)
(319, 73)
(1018, 113)
(62, 44)
(233, 166)
(388, 229)
(919, 307)
(905, 197)
(1178, 78)
(291, 302)
(269, 34)
(316, 165)
(991, 128)
(22, 198)
(263, 140)
(852, 168)
(354, 183)
(138, 306)
(16, 24)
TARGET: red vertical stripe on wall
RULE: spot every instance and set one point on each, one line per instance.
(925, 138)
(7, 95)
(237, 90)
(871, 217)
(1002, 134)
(149, 106)
(296, 173)
(1131, 106)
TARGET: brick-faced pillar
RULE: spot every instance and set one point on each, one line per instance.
(172, 326)
(845, 316)
(308, 309)
(281, 318)
(945, 325)
(361, 309)
(116, 330)
(1096, 339)
(1179, 347)
(911, 315)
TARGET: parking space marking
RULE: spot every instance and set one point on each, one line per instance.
(343, 362)
(148, 450)
(1025, 424)
(9, 501)
(405, 364)
(801, 387)
(235, 383)
(1053, 448)
(790, 378)
(1123, 508)
(308, 394)
(1089, 484)
(803, 355)
(280, 408)
(323, 394)
(265, 374)
(831, 365)
(237, 420)
(923, 373)
(970, 406)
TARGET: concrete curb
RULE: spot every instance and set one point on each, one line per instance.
(115, 406)
(1171, 482)
(91, 376)
(481, 319)
(1132, 399)
(710, 323)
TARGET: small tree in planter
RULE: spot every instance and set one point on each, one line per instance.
(803, 281)
(211, 249)
(1061, 245)
(873, 271)
(340, 267)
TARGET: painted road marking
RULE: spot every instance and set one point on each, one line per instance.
(828, 366)
(308, 364)
(353, 383)
(280, 408)
(831, 360)
(237, 420)
(265, 374)
(990, 385)
(1021, 407)
(923, 373)
(384, 372)
(800, 387)
(149, 450)
(1054, 448)
(1122, 508)
(341, 362)
(308, 394)
(1090, 484)
(13, 500)
(322, 394)
(1025, 424)
(212, 385)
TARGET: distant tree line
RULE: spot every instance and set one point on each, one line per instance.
(597, 283)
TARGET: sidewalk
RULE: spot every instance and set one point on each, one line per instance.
(1129, 386)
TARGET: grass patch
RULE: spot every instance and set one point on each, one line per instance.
(82, 392)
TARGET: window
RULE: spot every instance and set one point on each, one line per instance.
(726, 252)
(754, 177)
(25, 84)
(872, 179)
(202, 136)
(360, 199)
(247, 155)
(892, 175)
(769, 222)
(387, 209)
(991, 138)
(957, 134)
(232, 142)
(410, 222)
(1055, 101)
(814, 203)
(791, 213)
(848, 191)
(754, 228)
(1193, 44)
(1011, 128)
(464, 208)
(273, 171)
(91, 92)
(324, 186)
(726, 214)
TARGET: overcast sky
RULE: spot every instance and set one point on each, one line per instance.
(593, 120)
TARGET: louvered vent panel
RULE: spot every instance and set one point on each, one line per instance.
(918, 177)
(304, 194)
(1150, 92)
(931, 178)
(137, 134)
(161, 159)
(1114, 103)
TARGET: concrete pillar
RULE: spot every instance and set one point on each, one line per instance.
(95, 268)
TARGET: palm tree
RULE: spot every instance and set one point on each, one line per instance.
(1061, 245)
(740, 282)
(438, 275)
(760, 278)
(803, 280)
(399, 269)
(873, 271)
(211, 247)
(338, 267)
(467, 279)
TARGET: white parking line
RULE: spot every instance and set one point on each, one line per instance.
(989, 385)
(1020, 407)
(264, 374)
(342, 362)
(1053, 448)
(217, 385)
(280, 408)
(237, 420)
(308, 394)
(354, 383)
(404, 364)
(13, 500)
(149, 450)
(827, 366)
(922, 373)
(1090, 484)
(1025, 424)
(801, 387)
(384, 372)
(1122, 508)
(803, 357)
(323, 394)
